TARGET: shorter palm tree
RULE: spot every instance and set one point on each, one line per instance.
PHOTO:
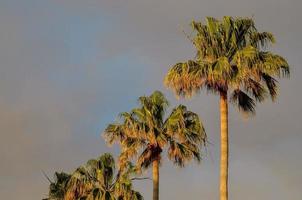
(96, 181)
(143, 133)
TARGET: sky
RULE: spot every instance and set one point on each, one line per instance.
(68, 67)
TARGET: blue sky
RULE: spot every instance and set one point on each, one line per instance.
(68, 67)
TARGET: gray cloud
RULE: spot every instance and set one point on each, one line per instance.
(60, 85)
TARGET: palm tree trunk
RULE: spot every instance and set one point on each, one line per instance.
(224, 146)
(155, 179)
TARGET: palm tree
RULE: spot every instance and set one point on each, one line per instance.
(95, 181)
(231, 61)
(143, 133)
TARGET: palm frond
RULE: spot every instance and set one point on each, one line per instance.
(244, 103)
(271, 85)
(262, 40)
(182, 153)
(187, 78)
(256, 89)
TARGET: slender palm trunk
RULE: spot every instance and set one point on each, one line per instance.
(156, 179)
(224, 146)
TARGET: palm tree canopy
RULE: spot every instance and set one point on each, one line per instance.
(96, 180)
(231, 55)
(144, 132)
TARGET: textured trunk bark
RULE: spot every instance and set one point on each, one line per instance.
(156, 179)
(224, 147)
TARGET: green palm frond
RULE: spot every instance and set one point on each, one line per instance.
(262, 40)
(187, 78)
(182, 153)
(185, 126)
(146, 157)
(271, 85)
(256, 89)
(57, 189)
(244, 103)
(113, 133)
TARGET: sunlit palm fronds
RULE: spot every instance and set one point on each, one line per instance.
(96, 180)
(143, 132)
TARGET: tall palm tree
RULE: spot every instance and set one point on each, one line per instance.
(143, 133)
(232, 61)
(96, 180)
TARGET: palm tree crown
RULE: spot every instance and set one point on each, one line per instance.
(96, 180)
(144, 131)
(231, 56)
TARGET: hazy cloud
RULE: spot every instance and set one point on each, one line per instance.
(68, 67)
